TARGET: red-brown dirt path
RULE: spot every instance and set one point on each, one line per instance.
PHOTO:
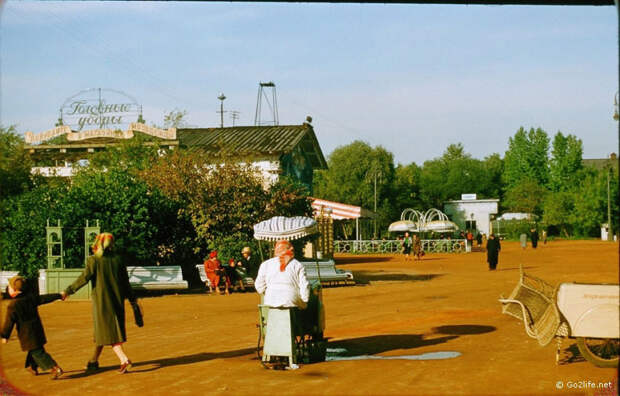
(200, 344)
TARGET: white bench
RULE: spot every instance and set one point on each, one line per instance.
(247, 281)
(4, 278)
(156, 278)
(328, 272)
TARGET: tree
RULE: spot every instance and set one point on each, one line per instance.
(558, 211)
(565, 163)
(15, 164)
(222, 199)
(493, 167)
(527, 158)
(407, 187)
(142, 220)
(353, 171)
(590, 201)
(175, 119)
(22, 228)
(527, 197)
(451, 175)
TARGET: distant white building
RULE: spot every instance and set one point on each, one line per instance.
(472, 214)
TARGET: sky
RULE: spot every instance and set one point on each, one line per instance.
(410, 78)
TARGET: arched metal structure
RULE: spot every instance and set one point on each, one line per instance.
(415, 221)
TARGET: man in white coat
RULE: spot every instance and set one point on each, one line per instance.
(282, 279)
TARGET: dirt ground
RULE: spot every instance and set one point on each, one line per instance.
(200, 344)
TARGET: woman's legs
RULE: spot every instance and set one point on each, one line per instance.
(118, 350)
(96, 354)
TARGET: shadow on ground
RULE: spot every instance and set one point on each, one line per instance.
(360, 260)
(365, 278)
(513, 269)
(466, 329)
(155, 364)
(382, 343)
(571, 355)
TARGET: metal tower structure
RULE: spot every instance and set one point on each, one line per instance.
(272, 104)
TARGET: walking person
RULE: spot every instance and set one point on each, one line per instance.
(22, 312)
(110, 283)
(493, 248)
(470, 240)
(479, 239)
(523, 240)
(407, 245)
(534, 236)
(544, 237)
(417, 247)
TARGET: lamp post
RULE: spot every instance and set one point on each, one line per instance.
(376, 173)
(221, 98)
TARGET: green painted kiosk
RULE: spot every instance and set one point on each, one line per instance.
(55, 278)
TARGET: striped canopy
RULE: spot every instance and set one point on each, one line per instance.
(340, 211)
(288, 228)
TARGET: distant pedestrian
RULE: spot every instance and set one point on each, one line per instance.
(493, 248)
(417, 247)
(470, 239)
(544, 237)
(479, 239)
(406, 245)
(523, 240)
(534, 236)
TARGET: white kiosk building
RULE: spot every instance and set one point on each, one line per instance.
(472, 214)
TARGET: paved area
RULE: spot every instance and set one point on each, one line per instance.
(201, 344)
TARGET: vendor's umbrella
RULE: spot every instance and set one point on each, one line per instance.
(402, 226)
(440, 226)
(289, 228)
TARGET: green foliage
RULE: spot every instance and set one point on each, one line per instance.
(565, 163)
(527, 196)
(407, 186)
(22, 228)
(527, 158)
(559, 211)
(140, 217)
(590, 210)
(353, 171)
(175, 119)
(15, 164)
(512, 229)
(131, 155)
(224, 199)
(454, 173)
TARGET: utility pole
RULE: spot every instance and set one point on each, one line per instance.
(234, 114)
(376, 174)
(375, 233)
(221, 98)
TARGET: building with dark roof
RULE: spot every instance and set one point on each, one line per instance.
(291, 150)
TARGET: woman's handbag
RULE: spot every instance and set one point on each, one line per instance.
(137, 313)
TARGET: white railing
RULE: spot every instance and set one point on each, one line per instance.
(394, 246)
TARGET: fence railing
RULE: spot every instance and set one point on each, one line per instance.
(394, 246)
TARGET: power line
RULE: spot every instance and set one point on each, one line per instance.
(102, 44)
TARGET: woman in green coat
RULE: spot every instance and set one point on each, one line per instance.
(110, 285)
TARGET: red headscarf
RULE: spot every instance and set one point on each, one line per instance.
(284, 250)
(103, 242)
(213, 254)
